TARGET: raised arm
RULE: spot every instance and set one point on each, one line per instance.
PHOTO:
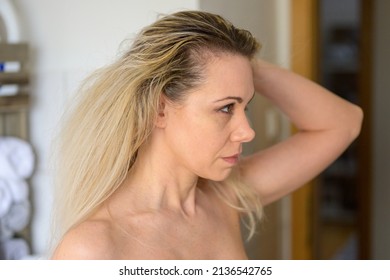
(326, 123)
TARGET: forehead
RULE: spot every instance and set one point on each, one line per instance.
(227, 75)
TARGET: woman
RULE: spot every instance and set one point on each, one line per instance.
(151, 164)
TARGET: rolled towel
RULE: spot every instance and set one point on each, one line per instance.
(9, 90)
(15, 249)
(19, 189)
(5, 198)
(17, 217)
(5, 231)
(10, 66)
(16, 158)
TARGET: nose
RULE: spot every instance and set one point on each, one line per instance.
(243, 132)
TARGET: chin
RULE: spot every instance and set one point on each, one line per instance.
(222, 176)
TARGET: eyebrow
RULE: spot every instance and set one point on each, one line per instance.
(238, 99)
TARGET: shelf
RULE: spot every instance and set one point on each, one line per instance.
(15, 102)
(15, 78)
(14, 106)
(20, 78)
(12, 52)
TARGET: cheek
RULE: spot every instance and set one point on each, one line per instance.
(206, 138)
(198, 142)
(206, 130)
(201, 135)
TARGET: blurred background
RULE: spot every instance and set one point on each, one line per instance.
(47, 47)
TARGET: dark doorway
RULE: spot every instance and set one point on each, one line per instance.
(342, 194)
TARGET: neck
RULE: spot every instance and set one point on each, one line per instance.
(156, 182)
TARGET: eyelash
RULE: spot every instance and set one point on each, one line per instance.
(230, 108)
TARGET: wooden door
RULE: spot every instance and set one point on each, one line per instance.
(307, 233)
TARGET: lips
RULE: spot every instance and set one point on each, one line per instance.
(232, 159)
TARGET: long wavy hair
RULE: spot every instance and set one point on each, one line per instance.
(117, 107)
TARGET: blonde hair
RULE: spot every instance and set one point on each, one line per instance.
(118, 104)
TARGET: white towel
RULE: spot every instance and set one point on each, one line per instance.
(5, 198)
(19, 189)
(17, 217)
(10, 66)
(16, 158)
(15, 249)
(9, 90)
(5, 231)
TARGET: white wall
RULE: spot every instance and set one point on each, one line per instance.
(381, 132)
(69, 39)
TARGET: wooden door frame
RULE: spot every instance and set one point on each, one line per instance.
(304, 48)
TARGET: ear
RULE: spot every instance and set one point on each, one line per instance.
(161, 118)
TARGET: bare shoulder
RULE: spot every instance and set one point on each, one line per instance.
(90, 240)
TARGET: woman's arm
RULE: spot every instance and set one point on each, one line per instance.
(326, 126)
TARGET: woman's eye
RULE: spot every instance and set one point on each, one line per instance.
(228, 109)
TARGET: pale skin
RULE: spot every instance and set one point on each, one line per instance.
(164, 211)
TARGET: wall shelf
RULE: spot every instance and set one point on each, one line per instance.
(14, 107)
(14, 103)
